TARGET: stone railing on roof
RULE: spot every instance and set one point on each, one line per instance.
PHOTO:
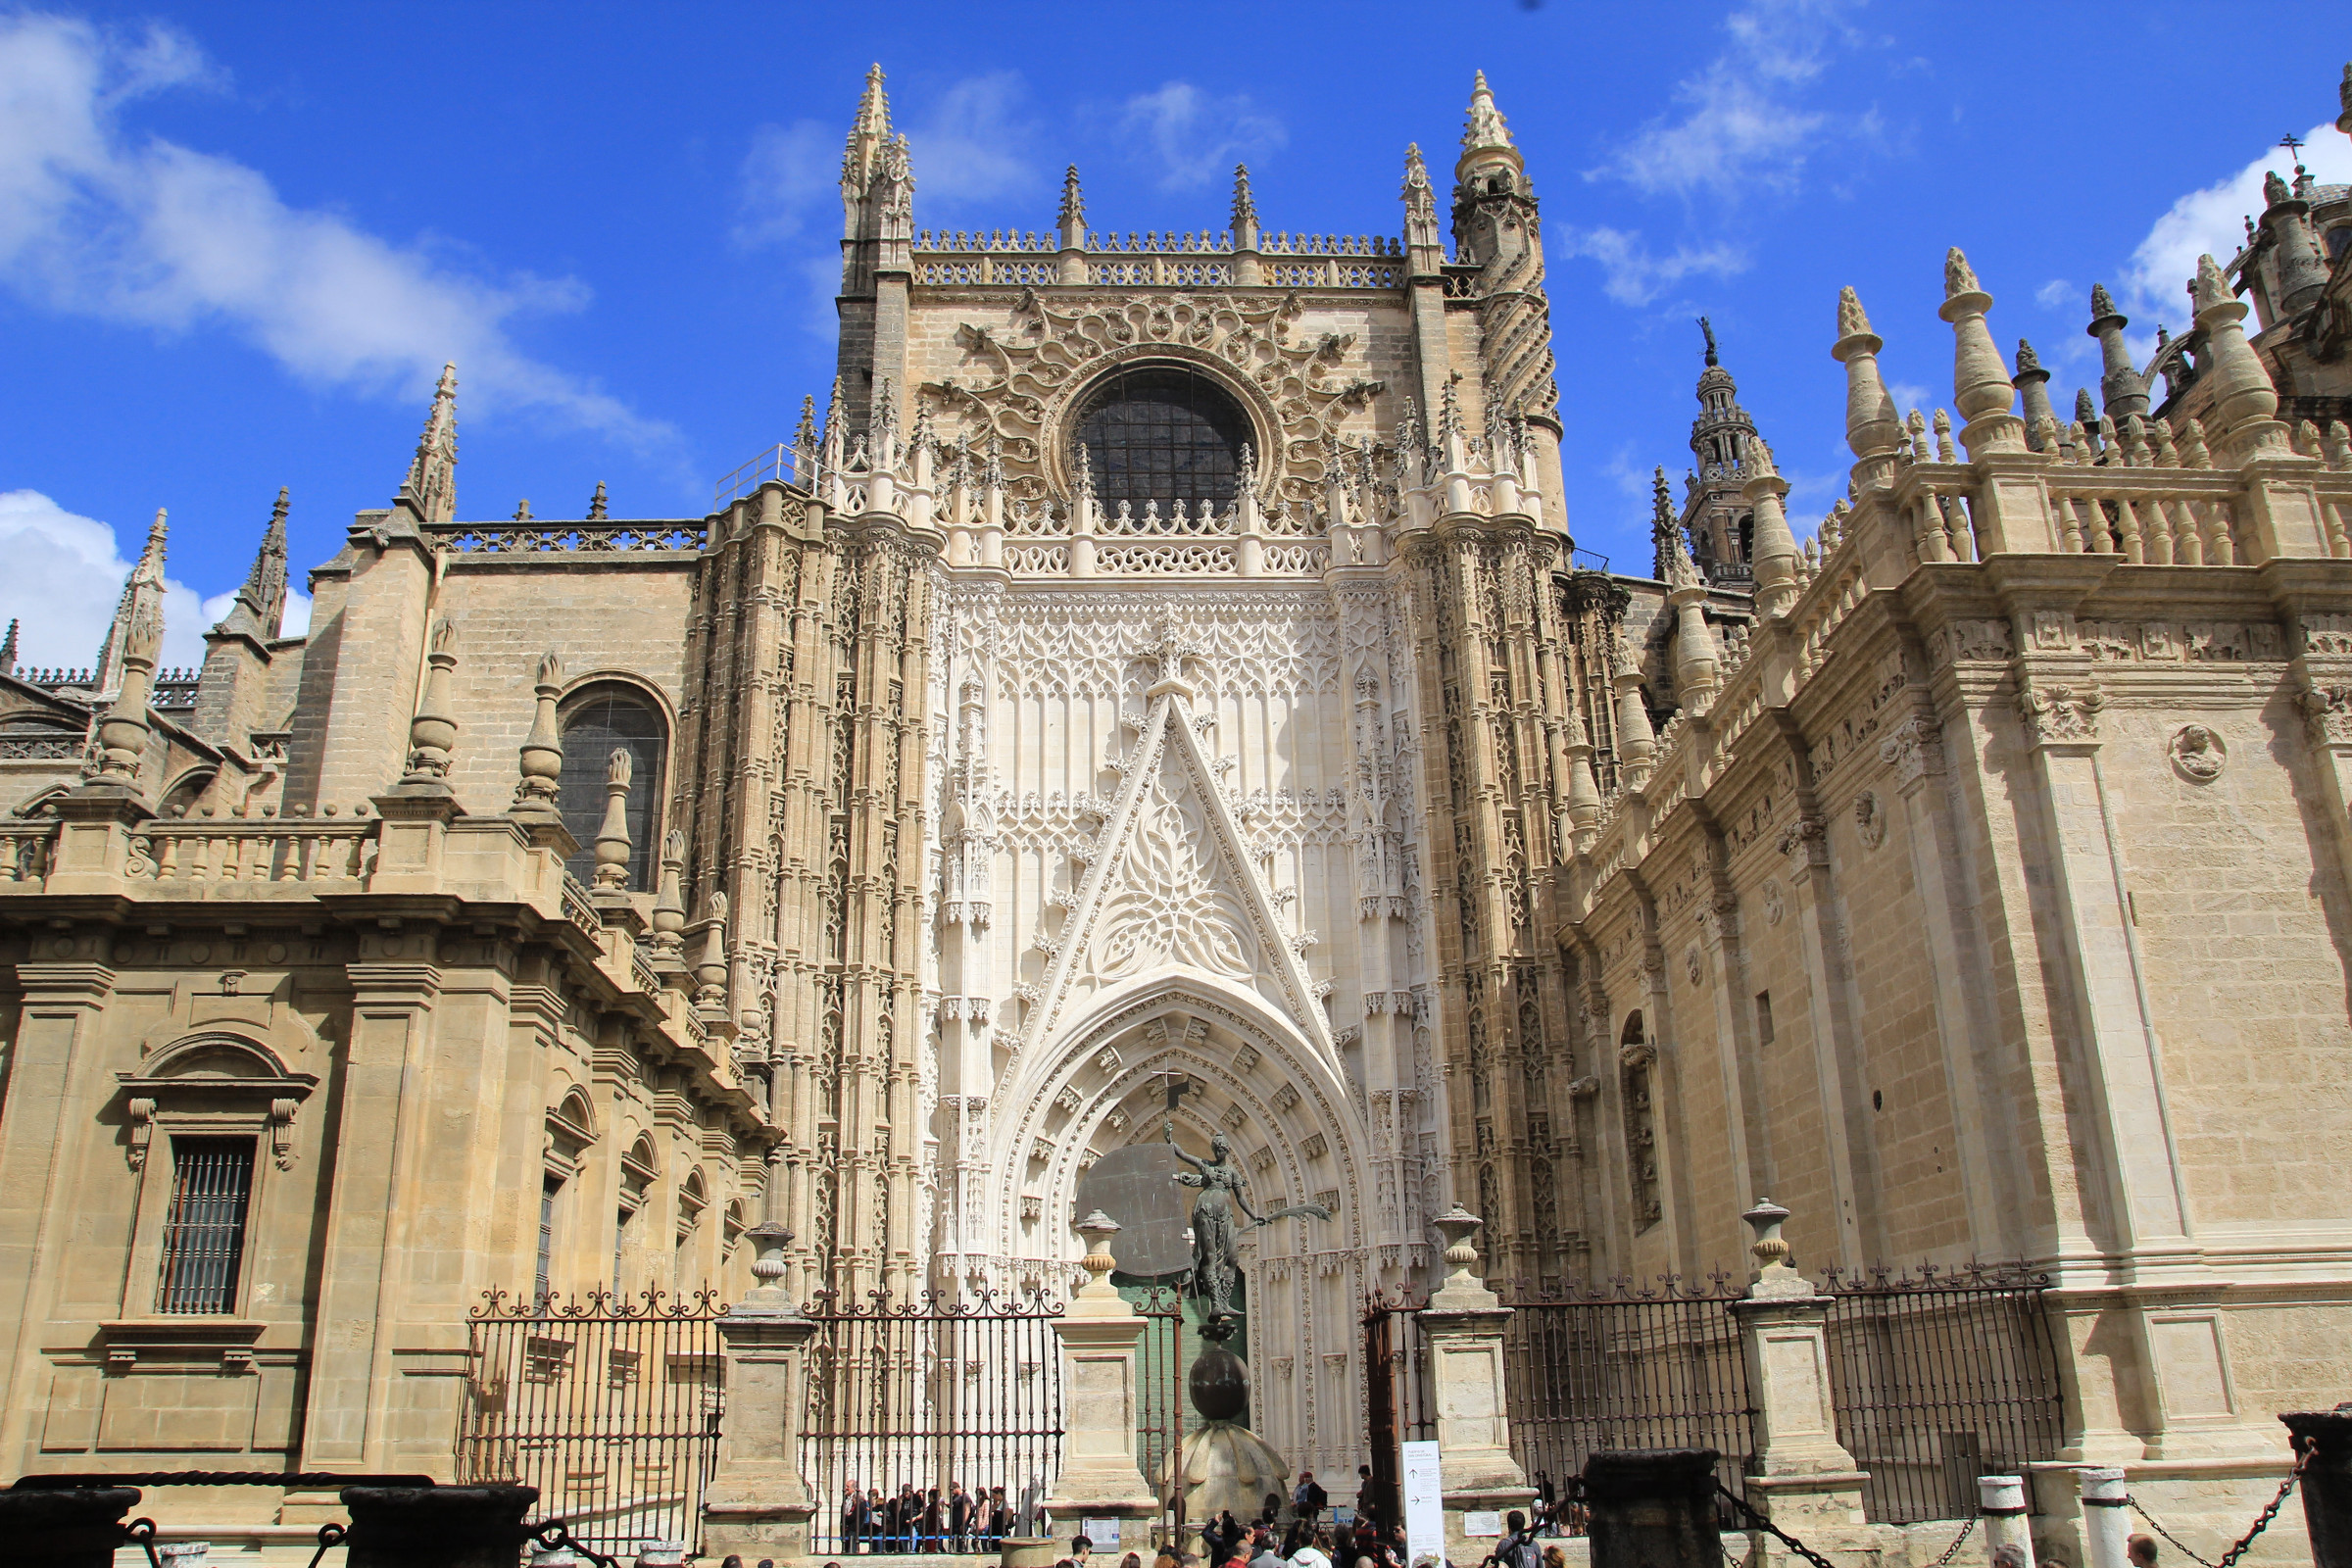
(538, 536)
(1157, 259)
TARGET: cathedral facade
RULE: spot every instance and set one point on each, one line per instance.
(1162, 676)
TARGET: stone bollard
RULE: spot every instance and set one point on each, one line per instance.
(68, 1527)
(1029, 1551)
(436, 1527)
(2326, 1437)
(2106, 1523)
(2002, 1501)
(1097, 1332)
(1652, 1508)
(185, 1554)
(661, 1555)
(554, 1558)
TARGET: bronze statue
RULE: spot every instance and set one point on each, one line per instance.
(1216, 1261)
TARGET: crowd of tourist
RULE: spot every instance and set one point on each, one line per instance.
(929, 1520)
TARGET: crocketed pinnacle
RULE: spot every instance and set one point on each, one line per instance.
(1483, 128)
(1663, 529)
(8, 649)
(1073, 204)
(431, 485)
(1245, 206)
(261, 605)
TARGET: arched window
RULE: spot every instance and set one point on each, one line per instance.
(1164, 433)
(597, 720)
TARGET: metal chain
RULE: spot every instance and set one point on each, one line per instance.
(142, 1531)
(1953, 1550)
(1760, 1522)
(330, 1535)
(555, 1532)
(2262, 1520)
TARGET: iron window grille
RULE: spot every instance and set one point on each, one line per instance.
(204, 1234)
(1163, 433)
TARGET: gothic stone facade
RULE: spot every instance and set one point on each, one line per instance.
(1167, 662)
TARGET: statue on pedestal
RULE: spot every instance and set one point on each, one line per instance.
(1216, 1251)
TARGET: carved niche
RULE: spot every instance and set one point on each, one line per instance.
(1297, 392)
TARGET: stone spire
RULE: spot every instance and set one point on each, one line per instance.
(1665, 534)
(2245, 405)
(1772, 547)
(260, 606)
(2121, 388)
(2300, 266)
(1873, 430)
(2032, 385)
(2343, 95)
(1072, 216)
(430, 490)
(1245, 206)
(1424, 249)
(869, 135)
(8, 649)
(142, 599)
(1980, 389)
(597, 504)
(1486, 140)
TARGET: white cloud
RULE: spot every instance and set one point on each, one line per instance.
(2055, 294)
(65, 577)
(1634, 275)
(788, 171)
(2212, 221)
(969, 145)
(97, 220)
(1741, 125)
(1907, 396)
(1195, 139)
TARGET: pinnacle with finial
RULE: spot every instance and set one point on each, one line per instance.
(1958, 276)
(1244, 208)
(1073, 204)
(2028, 362)
(8, 649)
(1485, 127)
(1852, 321)
(2211, 289)
(2084, 409)
(2102, 305)
(596, 502)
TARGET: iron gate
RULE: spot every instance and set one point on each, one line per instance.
(1397, 1404)
(610, 1407)
(1939, 1378)
(1624, 1367)
(913, 1397)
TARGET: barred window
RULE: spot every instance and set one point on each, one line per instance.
(203, 1235)
(596, 722)
(1163, 433)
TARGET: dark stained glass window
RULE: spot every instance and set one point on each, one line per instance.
(596, 724)
(1163, 433)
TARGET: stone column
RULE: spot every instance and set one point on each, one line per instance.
(1099, 1478)
(1806, 1481)
(2001, 1501)
(2106, 1525)
(758, 1503)
(1462, 1333)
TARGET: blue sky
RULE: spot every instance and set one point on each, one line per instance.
(237, 242)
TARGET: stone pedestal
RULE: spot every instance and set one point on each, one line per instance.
(1805, 1481)
(436, 1527)
(1461, 1332)
(1099, 1478)
(757, 1504)
(70, 1527)
(2327, 1435)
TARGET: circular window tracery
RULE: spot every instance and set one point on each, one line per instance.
(1162, 433)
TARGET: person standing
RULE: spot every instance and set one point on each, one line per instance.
(1316, 1553)
(856, 1518)
(1311, 1499)
(959, 1517)
(1367, 1496)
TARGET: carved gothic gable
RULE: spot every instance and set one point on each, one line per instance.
(1171, 885)
(1022, 389)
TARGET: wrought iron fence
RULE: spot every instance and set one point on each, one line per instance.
(908, 1399)
(1397, 1408)
(1938, 1378)
(1625, 1366)
(609, 1406)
